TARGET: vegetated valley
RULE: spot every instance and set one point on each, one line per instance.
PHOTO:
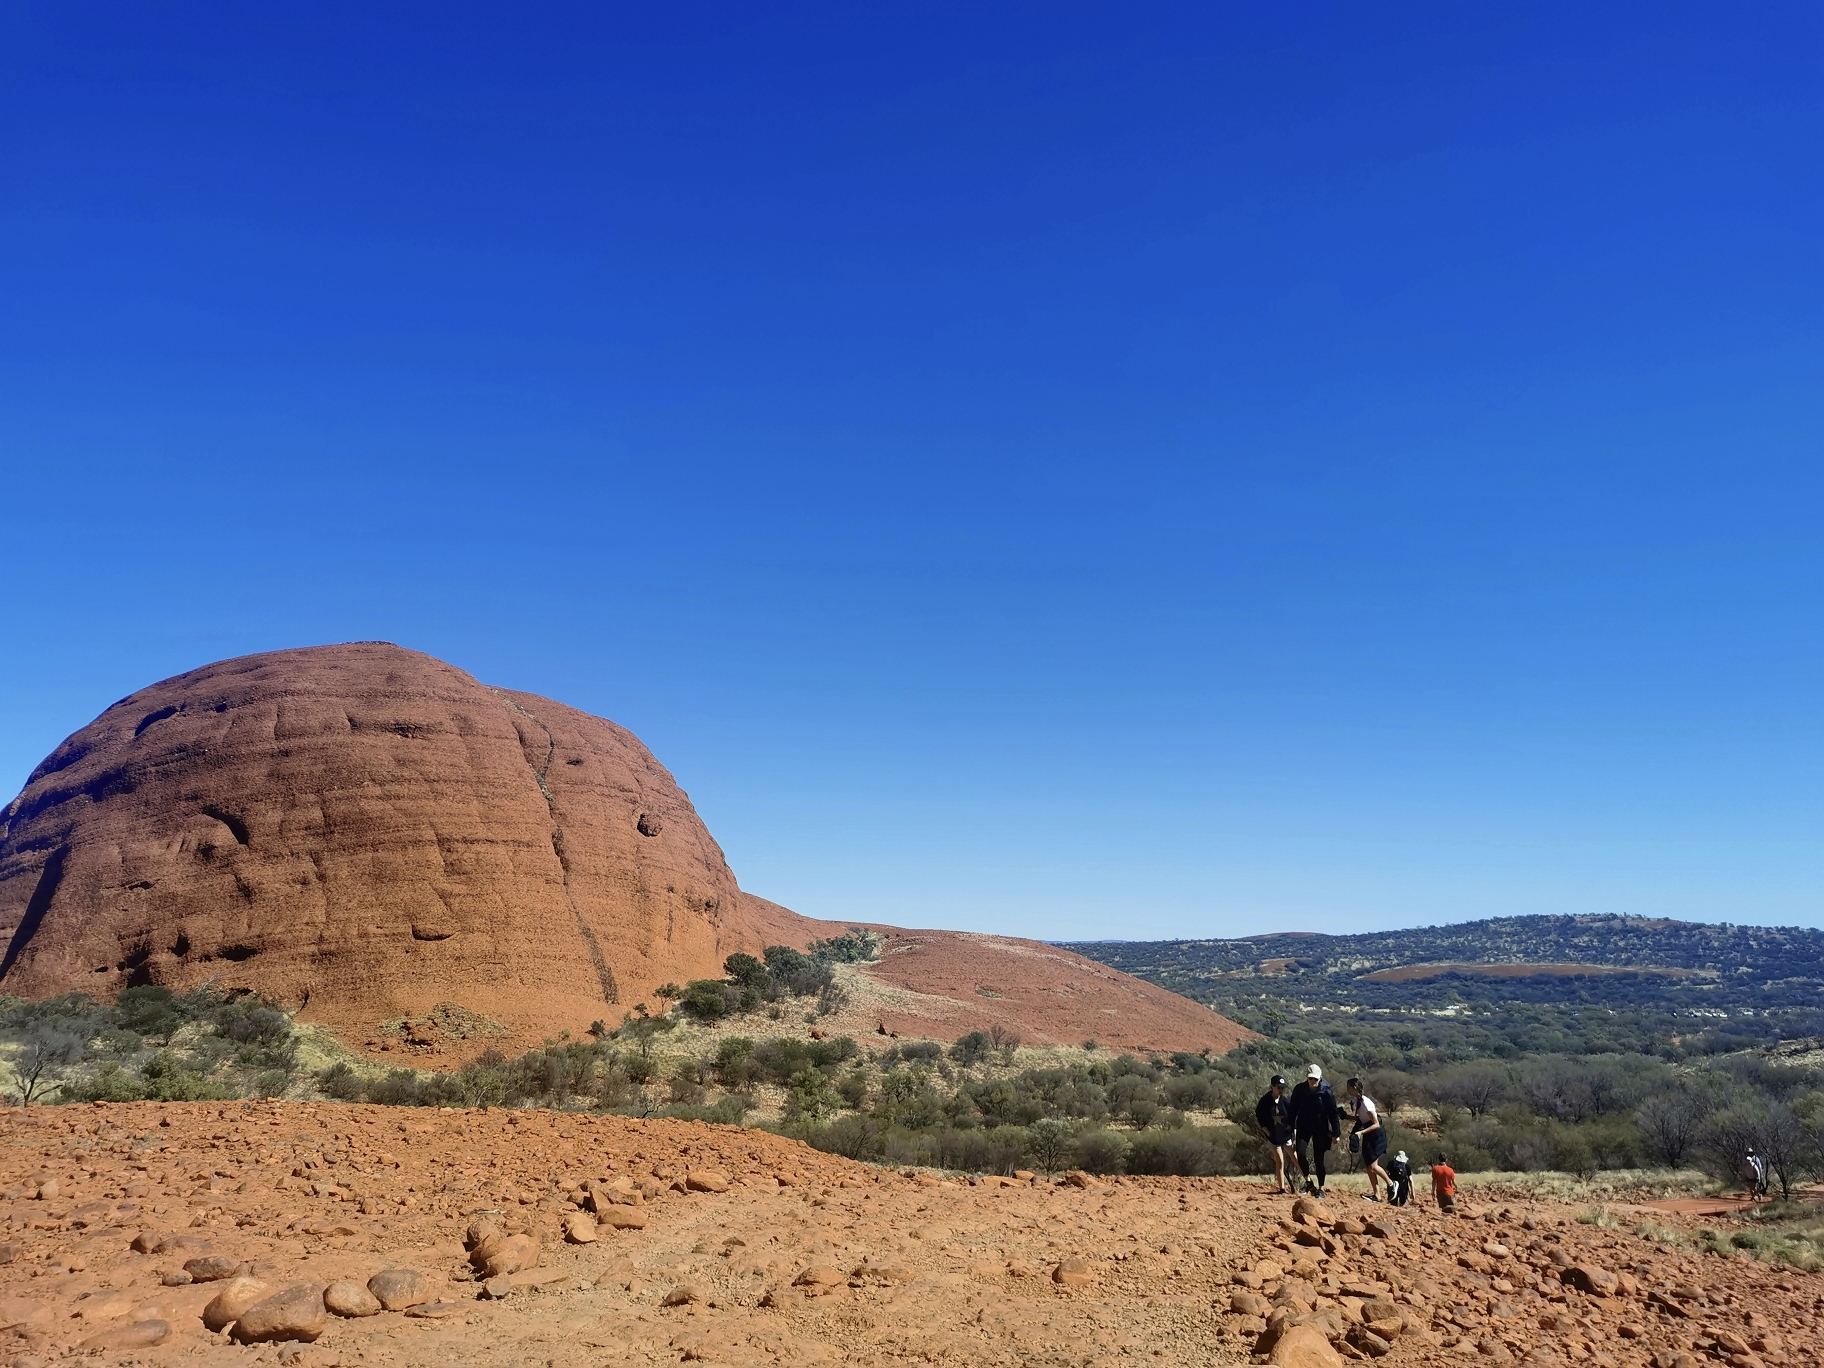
(1570, 1071)
(1530, 1043)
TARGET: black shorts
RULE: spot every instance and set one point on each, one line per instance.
(1374, 1145)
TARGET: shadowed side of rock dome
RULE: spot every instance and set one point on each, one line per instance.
(364, 832)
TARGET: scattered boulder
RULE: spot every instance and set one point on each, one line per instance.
(706, 1180)
(621, 1192)
(214, 1267)
(1310, 1211)
(1379, 1309)
(1371, 1344)
(579, 1228)
(884, 1275)
(508, 1254)
(239, 1293)
(1301, 1346)
(1588, 1278)
(396, 1289)
(1248, 1304)
(685, 1294)
(294, 1313)
(622, 1218)
(350, 1300)
(1074, 1273)
(819, 1280)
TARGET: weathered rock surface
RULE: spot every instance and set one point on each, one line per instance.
(350, 1300)
(293, 1313)
(365, 832)
(235, 1296)
(397, 1288)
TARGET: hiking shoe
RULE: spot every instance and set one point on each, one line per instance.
(1370, 1197)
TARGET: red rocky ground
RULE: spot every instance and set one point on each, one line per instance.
(128, 1226)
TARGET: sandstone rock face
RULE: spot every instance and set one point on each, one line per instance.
(367, 833)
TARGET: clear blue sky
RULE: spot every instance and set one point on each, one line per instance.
(1070, 470)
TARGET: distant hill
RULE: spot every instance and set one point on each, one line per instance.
(1616, 961)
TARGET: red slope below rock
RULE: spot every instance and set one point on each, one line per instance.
(944, 984)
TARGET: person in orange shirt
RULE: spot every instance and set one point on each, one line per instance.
(1444, 1184)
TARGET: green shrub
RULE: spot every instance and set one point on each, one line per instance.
(1102, 1151)
(1183, 1153)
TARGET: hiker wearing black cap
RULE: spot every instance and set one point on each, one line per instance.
(1314, 1123)
(1274, 1118)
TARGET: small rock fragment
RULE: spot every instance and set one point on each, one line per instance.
(435, 1310)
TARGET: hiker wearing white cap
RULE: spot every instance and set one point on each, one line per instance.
(1399, 1180)
(1314, 1124)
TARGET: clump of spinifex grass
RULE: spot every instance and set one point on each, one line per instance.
(1778, 1233)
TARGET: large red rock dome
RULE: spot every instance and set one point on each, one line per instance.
(364, 832)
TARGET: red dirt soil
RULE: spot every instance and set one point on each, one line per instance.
(954, 982)
(752, 1249)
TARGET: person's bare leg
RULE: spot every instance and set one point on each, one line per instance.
(1279, 1168)
(1376, 1176)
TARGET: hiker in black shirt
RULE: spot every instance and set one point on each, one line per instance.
(1399, 1180)
(1315, 1123)
(1274, 1118)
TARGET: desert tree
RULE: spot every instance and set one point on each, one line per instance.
(1672, 1124)
(48, 1052)
(1049, 1144)
(1477, 1088)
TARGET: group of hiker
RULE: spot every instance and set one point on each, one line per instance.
(1305, 1121)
